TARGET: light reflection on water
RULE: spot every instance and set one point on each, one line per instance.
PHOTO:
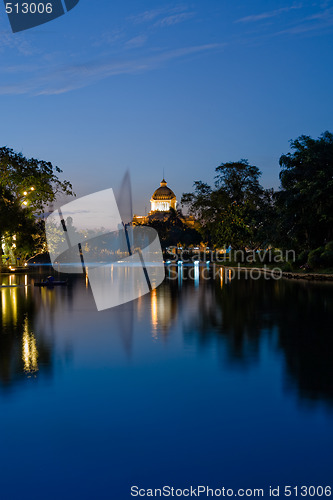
(234, 313)
(201, 376)
(29, 350)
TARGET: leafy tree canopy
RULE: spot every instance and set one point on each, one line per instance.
(26, 187)
(172, 229)
(239, 181)
(235, 211)
(37, 178)
(305, 203)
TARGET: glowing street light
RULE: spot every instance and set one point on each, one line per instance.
(26, 193)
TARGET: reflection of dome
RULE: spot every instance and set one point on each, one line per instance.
(163, 198)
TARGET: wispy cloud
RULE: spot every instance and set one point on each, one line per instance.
(174, 19)
(165, 16)
(152, 14)
(146, 16)
(316, 23)
(18, 43)
(266, 15)
(159, 17)
(135, 42)
(107, 38)
(308, 27)
(65, 79)
(324, 14)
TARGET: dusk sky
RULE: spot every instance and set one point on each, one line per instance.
(173, 86)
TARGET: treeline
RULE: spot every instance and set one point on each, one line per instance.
(236, 212)
(27, 187)
(240, 213)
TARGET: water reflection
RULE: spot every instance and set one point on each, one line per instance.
(234, 318)
(25, 349)
(163, 312)
(29, 350)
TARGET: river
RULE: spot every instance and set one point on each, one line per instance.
(202, 382)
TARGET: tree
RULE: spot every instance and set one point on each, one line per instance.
(26, 187)
(305, 202)
(10, 210)
(239, 181)
(172, 229)
(234, 212)
(12, 216)
(33, 182)
(30, 239)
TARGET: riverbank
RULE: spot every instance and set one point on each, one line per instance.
(309, 276)
(13, 269)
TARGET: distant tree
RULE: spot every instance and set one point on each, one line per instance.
(10, 210)
(305, 202)
(239, 181)
(27, 186)
(173, 230)
(11, 213)
(37, 178)
(234, 212)
(201, 204)
(30, 239)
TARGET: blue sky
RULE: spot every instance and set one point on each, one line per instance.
(156, 85)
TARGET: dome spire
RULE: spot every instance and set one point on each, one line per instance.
(164, 182)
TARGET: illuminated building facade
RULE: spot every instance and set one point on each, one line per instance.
(163, 199)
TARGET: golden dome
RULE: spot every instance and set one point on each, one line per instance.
(163, 192)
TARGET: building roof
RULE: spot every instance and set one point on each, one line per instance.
(163, 193)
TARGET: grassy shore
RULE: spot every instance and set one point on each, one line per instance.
(322, 275)
(286, 267)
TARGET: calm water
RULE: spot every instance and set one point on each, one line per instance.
(203, 382)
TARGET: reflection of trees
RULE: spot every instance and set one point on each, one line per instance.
(24, 352)
(305, 337)
(238, 314)
(233, 315)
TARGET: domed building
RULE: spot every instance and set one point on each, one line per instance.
(161, 202)
(163, 199)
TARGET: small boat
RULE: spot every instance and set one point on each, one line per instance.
(50, 281)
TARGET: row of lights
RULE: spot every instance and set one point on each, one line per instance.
(25, 203)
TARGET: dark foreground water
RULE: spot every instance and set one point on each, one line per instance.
(200, 383)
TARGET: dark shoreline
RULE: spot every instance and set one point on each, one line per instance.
(287, 274)
(308, 276)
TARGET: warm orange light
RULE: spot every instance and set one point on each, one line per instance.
(29, 350)
(32, 188)
(25, 193)
(154, 317)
